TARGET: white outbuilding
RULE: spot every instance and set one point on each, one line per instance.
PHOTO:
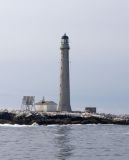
(46, 106)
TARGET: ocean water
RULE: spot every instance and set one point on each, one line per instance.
(66, 142)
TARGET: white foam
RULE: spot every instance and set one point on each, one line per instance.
(35, 124)
(51, 125)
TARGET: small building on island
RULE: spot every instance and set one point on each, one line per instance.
(90, 109)
(45, 106)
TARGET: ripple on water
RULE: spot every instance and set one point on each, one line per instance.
(91, 142)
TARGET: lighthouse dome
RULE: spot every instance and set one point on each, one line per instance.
(65, 36)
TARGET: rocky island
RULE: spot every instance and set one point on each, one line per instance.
(42, 118)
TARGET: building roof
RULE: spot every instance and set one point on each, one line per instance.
(45, 103)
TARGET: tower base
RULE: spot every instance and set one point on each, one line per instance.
(64, 109)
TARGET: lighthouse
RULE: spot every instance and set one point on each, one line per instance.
(64, 98)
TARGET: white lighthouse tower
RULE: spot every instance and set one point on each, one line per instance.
(64, 99)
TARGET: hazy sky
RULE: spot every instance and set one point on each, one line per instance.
(30, 32)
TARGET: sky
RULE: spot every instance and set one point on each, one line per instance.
(30, 35)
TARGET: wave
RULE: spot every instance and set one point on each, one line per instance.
(126, 133)
(18, 125)
(51, 125)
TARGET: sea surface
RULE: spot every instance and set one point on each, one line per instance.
(64, 142)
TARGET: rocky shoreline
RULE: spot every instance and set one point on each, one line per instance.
(29, 118)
